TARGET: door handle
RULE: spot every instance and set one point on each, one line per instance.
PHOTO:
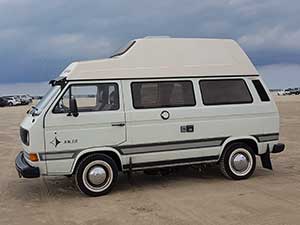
(121, 124)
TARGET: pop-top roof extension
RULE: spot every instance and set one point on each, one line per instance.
(166, 57)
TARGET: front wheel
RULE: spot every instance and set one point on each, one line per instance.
(238, 162)
(96, 175)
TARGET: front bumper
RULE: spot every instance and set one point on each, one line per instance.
(24, 169)
(278, 148)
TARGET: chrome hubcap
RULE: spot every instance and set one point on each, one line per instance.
(240, 162)
(97, 175)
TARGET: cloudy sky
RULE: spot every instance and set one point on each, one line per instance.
(39, 38)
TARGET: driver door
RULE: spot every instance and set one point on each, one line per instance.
(100, 121)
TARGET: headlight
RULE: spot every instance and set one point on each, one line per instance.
(24, 134)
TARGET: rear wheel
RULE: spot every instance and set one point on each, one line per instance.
(10, 104)
(238, 161)
(96, 175)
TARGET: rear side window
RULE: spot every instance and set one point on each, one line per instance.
(225, 91)
(162, 94)
(261, 91)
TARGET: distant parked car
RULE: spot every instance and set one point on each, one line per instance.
(3, 102)
(288, 91)
(30, 98)
(284, 92)
(295, 91)
(18, 99)
(25, 99)
(11, 101)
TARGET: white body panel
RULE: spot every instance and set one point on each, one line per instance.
(146, 140)
(167, 57)
(145, 126)
(87, 131)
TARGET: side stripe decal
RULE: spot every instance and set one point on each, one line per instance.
(170, 162)
(171, 146)
(143, 148)
(267, 137)
(58, 155)
(159, 147)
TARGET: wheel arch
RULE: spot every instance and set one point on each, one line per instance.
(111, 152)
(249, 140)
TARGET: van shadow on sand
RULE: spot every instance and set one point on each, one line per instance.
(64, 187)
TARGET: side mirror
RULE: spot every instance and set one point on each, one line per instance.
(73, 107)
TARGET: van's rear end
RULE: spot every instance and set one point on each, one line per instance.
(269, 139)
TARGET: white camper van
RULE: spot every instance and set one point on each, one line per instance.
(156, 103)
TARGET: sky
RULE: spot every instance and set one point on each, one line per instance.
(38, 39)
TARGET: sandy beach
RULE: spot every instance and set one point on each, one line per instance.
(187, 197)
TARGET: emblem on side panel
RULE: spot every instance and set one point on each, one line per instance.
(55, 142)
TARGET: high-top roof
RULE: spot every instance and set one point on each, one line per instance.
(167, 57)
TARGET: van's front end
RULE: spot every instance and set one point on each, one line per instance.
(28, 162)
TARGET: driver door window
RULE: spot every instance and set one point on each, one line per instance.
(90, 98)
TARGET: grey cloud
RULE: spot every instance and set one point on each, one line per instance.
(281, 75)
(38, 39)
(33, 89)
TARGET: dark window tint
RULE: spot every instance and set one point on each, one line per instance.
(162, 94)
(230, 91)
(261, 91)
(90, 97)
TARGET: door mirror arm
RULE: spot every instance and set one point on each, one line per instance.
(73, 107)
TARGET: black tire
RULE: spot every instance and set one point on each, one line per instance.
(229, 161)
(10, 104)
(84, 168)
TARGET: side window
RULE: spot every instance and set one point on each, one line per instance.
(90, 98)
(261, 91)
(225, 91)
(162, 94)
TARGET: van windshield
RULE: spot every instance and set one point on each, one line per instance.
(36, 110)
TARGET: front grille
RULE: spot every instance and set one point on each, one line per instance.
(26, 154)
(24, 136)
